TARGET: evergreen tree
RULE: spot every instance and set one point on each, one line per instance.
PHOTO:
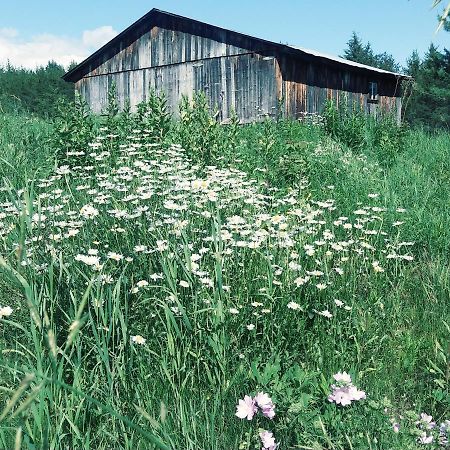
(358, 52)
(429, 104)
(413, 64)
(362, 53)
(386, 61)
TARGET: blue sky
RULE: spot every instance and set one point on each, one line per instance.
(39, 30)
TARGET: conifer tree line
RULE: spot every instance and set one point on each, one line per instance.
(37, 91)
(33, 91)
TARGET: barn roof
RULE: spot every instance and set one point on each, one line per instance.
(156, 17)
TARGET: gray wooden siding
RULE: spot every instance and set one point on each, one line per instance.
(244, 83)
(159, 47)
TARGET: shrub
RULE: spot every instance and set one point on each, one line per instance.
(198, 130)
(154, 117)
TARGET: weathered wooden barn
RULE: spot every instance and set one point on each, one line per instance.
(254, 77)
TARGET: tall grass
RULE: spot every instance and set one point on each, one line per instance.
(25, 148)
(153, 286)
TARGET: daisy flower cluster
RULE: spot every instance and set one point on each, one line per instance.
(148, 211)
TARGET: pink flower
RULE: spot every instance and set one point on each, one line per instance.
(267, 440)
(355, 394)
(424, 439)
(268, 411)
(344, 392)
(426, 420)
(396, 427)
(262, 399)
(266, 405)
(246, 408)
(340, 396)
(343, 377)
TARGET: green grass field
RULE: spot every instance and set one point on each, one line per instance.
(155, 279)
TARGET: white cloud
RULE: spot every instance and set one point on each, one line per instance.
(42, 48)
(98, 37)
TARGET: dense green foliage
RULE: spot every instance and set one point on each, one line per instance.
(153, 287)
(33, 91)
(429, 104)
(380, 136)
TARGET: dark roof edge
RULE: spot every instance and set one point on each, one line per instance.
(73, 76)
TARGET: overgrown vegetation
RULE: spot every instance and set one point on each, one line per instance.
(157, 274)
(152, 286)
(380, 136)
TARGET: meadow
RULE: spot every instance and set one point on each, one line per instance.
(189, 285)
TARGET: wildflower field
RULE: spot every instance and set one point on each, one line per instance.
(181, 284)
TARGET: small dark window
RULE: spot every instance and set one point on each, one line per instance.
(373, 91)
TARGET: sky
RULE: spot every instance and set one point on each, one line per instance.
(32, 32)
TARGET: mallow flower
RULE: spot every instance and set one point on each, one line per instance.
(344, 392)
(246, 408)
(267, 440)
(265, 403)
